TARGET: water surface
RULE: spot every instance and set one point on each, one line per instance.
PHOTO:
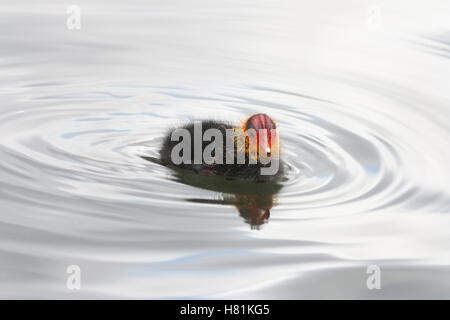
(362, 103)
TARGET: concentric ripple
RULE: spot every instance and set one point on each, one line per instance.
(336, 155)
(82, 169)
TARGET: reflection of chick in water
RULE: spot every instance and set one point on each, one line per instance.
(252, 200)
(242, 186)
(254, 209)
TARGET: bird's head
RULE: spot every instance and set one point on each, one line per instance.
(262, 135)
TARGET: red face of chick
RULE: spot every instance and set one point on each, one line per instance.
(260, 122)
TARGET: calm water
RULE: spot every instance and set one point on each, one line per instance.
(360, 92)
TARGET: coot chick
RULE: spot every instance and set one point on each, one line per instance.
(249, 151)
